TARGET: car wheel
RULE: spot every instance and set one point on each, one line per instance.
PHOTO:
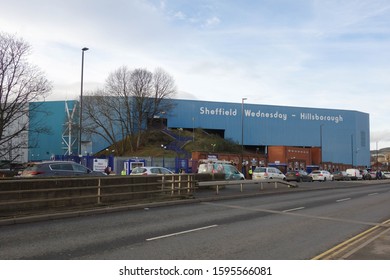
(324, 180)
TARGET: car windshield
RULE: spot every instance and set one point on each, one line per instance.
(31, 167)
(138, 170)
(165, 171)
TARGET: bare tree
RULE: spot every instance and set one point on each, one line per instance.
(20, 84)
(123, 110)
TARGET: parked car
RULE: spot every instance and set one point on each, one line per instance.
(230, 171)
(340, 176)
(267, 173)
(373, 174)
(58, 169)
(354, 174)
(386, 174)
(299, 176)
(150, 170)
(366, 174)
(321, 175)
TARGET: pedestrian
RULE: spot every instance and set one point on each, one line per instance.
(107, 170)
(123, 172)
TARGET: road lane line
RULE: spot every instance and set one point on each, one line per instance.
(373, 194)
(344, 199)
(294, 209)
(262, 210)
(179, 233)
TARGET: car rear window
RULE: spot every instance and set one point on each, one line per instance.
(80, 168)
(61, 166)
(260, 169)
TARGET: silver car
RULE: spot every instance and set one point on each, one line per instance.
(58, 169)
(151, 170)
(267, 173)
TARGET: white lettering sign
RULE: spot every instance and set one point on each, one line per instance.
(218, 111)
(248, 113)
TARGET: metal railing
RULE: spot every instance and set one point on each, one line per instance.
(241, 183)
(94, 192)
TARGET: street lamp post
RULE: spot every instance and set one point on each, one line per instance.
(81, 98)
(163, 147)
(352, 149)
(242, 123)
(242, 132)
(321, 125)
(377, 162)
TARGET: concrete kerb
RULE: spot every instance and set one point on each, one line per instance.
(201, 196)
(348, 248)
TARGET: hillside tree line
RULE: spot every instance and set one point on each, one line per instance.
(121, 111)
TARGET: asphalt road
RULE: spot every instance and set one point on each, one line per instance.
(282, 226)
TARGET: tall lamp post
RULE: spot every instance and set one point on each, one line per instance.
(352, 149)
(242, 133)
(321, 125)
(81, 98)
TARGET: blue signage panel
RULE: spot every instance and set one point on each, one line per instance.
(343, 134)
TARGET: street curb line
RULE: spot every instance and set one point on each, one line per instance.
(339, 249)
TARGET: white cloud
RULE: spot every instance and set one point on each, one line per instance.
(328, 54)
(180, 15)
(213, 21)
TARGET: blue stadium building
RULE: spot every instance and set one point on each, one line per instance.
(343, 136)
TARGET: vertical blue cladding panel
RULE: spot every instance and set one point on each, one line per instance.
(46, 122)
(266, 125)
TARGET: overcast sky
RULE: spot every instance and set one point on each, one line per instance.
(309, 53)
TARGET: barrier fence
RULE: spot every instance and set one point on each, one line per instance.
(19, 197)
(261, 183)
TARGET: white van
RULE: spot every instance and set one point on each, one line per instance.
(354, 174)
(267, 173)
(230, 171)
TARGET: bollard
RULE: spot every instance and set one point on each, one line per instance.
(99, 192)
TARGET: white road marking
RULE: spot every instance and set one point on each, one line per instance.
(179, 233)
(262, 210)
(294, 209)
(373, 194)
(344, 199)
